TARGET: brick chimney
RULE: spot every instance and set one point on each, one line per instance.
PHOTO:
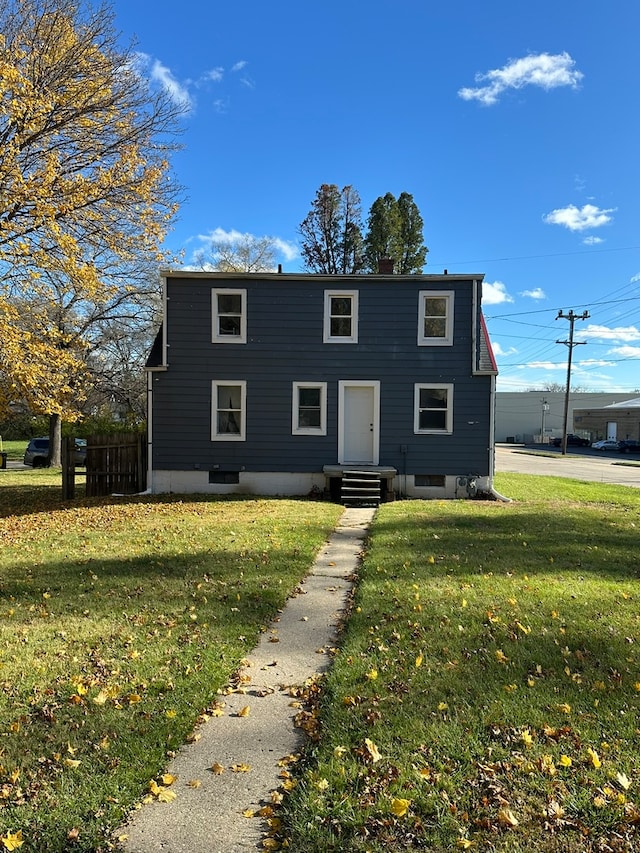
(385, 266)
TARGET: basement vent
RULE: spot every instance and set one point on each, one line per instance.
(226, 478)
(426, 480)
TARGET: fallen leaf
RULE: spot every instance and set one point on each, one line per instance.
(240, 768)
(623, 780)
(594, 757)
(166, 796)
(168, 779)
(244, 712)
(506, 817)
(13, 840)
(195, 783)
(400, 806)
(217, 769)
(372, 750)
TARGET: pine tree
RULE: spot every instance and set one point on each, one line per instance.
(331, 232)
(395, 231)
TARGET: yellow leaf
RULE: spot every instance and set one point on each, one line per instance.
(101, 698)
(134, 698)
(241, 768)
(244, 712)
(321, 784)
(565, 761)
(217, 769)
(339, 751)
(168, 779)
(248, 813)
(72, 763)
(372, 749)
(564, 707)
(527, 740)
(442, 706)
(195, 783)
(419, 661)
(500, 656)
(595, 758)
(506, 817)
(13, 840)
(170, 714)
(400, 806)
(166, 796)
(372, 674)
(464, 843)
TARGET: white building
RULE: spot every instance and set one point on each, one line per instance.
(538, 416)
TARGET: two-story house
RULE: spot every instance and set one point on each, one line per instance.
(290, 384)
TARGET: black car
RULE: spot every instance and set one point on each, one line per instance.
(575, 440)
(629, 445)
(37, 452)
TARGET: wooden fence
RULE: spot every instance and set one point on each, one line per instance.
(116, 464)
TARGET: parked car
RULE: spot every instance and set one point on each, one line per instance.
(629, 445)
(605, 444)
(575, 440)
(37, 452)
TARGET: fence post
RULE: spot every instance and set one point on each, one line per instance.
(68, 468)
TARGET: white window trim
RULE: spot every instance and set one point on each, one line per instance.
(340, 339)
(295, 409)
(447, 340)
(216, 337)
(449, 410)
(216, 385)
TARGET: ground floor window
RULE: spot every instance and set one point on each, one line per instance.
(309, 408)
(228, 414)
(433, 408)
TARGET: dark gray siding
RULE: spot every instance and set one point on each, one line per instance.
(284, 344)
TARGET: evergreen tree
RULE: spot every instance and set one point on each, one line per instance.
(395, 231)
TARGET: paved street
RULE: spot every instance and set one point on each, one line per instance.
(578, 464)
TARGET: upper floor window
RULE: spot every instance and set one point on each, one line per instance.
(435, 318)
(340, 317)
(228, 410)
(309, 410)
(229, 310)
(433, 408)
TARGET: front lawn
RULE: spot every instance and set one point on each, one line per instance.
(119, 621)
(486, 694)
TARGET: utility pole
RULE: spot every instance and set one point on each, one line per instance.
(571, 317)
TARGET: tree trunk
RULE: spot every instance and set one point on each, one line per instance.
(55, 441)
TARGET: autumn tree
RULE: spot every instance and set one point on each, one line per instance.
(85, 190)
(332, 231)
(395, 230)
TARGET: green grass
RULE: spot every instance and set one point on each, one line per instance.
(14, 449)
(491, 662)
(119, 621)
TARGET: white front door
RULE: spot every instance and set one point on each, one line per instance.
(612, 430)
(358, 423)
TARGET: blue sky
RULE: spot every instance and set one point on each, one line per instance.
(514, 126)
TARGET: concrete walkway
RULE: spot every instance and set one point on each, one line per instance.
(209, 818)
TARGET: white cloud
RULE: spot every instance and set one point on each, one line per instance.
(284, 248)
(494, 294)
(592, 241)
(497, 349)
(548, 71)
(579, 218)
(239, 65)
(605, 333)
(178, 93)
(626, 352)
(635, 278)
(215, 75)
(547, 365)
(536, 293)
(595, 362)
